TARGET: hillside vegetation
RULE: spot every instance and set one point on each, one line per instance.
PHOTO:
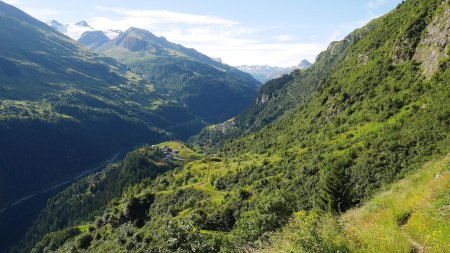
(64, 108)
(208, 89)
(410, 216)
(279, 96)
(376, 112)
(87, 198)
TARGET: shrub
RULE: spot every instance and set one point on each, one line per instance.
(84, 241)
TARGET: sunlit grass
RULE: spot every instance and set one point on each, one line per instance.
(377, 225)
(83, 228)
(185, 151)
(416, 207)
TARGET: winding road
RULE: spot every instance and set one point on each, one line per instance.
(112, 159)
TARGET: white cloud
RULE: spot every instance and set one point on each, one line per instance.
(373, 4)
(164, 17)
(41, 14)
(235, 43)
(275, 54)
(335, 35)
(284, 37)
(11, 2)
(240, 50)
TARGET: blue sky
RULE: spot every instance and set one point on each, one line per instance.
(251, 32)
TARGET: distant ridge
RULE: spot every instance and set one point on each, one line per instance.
(264, 73)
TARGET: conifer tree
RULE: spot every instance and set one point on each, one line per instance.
(336, 189)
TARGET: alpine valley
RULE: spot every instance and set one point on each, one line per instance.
(179, 152)
(65, 109)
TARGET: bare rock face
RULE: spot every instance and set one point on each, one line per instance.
(433, 47)
(405, 47)
(264, 98)
(403, 50)
(363, 59)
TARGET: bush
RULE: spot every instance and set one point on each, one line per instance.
(271, 212)
(84, 241)
(137, 209)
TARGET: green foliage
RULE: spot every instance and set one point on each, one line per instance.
(87, 198)
(408, 209)
(209, 90)
(137, 208)
(183, 237)
(55, 240)
(270, 213)
(308, 232)
(337, 195)
(355, 122)
(84, 241)
(411, 209)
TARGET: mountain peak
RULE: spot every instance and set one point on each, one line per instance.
(93, 39)
(83, 24)
(137, 39)
(141, 32)
(304, 64)
(133, 29)
(54, 23)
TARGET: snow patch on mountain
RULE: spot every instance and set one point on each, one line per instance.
(76, 30)
(112, 34)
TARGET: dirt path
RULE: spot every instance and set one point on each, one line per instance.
(417, 247)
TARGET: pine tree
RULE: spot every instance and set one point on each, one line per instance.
(336, 190)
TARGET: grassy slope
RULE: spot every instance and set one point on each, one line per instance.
(185, 152)
(417, 205)
(415, 208)
(377, 114)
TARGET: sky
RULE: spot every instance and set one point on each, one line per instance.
(240, 32)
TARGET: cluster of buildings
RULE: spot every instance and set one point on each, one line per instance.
(170, 153)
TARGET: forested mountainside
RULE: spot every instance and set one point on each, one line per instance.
(61, 106)
(64, 108)
(278, 96)
(377, 112)
(210, 90)
(88, 197)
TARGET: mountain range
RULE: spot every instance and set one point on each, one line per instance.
(80, 29)
(181, 74)
(65, 108)
(264, 73)
(315, 144)
(88, 36)
(348, 155)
